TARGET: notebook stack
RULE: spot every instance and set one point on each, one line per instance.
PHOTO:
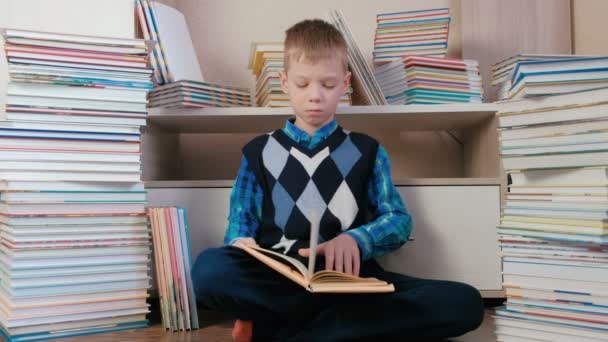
(539, 75)
(173, 57)
(192, 94)
(554, 231)
(430, 80)
(173, 259)
(366, 88)
(266, 62)
(411, 33)
(74, 240)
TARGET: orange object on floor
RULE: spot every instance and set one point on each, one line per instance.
(242, 331)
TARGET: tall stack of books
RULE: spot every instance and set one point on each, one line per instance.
(192, 94)
(553, 232)
(74, 240)
(539, 75)
(173, 259)
(430, 80)
(422, 32)
(266, 62)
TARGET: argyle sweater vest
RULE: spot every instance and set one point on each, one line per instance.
(330, 181)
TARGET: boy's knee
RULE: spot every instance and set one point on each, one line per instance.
(470, 307)
(207, 272)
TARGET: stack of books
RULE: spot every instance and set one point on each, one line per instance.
(430, 80)
(422, 32)
(173, 259)
(553, 232)
(173, 57)
(538, 75)
(366, 88)
(192, 94)
(266, 63)
(74, 240)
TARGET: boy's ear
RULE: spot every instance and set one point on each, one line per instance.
(347, 79)
(283, 78)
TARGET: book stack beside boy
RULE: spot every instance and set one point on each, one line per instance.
(553, 231)
(75, 245)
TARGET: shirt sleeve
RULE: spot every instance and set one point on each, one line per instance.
(391, 224)
(245, 205)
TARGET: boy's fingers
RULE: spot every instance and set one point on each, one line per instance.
(357, 263)
(348, 262)
(339, 263)
(329, 258)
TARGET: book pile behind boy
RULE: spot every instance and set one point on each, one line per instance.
(266, 62)
(74, 243)
(366, 90)
(173, 57)
(553, 231)
(173, 261)
(537, 75)
(430, 80)
(423, 32)
(193, 94)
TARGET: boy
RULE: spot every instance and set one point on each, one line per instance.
(313, 165)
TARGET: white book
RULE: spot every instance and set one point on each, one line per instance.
(72, 317)
(71, 176)
(138, 256)
(134, 50)
(69, 166)
(55, 119)
(553, 130)
(49, 102)
(560, 213)
(539, 89)
(70, 128)
(38, 62)
(552, 227)
(71, 220)
(76, 252)
(553, 284)
(63, 195)
(556, 296)
(37, 282)
(578, 238)
(565, 148)
(64, 238)
(178, 49)
(70, 156)
(580, 197)
(76, 298)
(39, 232)
(588, 176)
(87, 325)
(8, 185)
(555, 205)
(557, 140)
(77, 270)
(81, 93)
(68, 145)
(558, 160)
(51, 134)
(20, 208)
(566, 307)
(75, 308)
(72, 38)
(584, 271)
(71, 59)
(559, 191)
(530, 331)
(576, 316)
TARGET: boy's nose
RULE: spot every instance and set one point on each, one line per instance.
(315, 94)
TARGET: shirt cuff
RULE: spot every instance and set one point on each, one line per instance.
(364, 240)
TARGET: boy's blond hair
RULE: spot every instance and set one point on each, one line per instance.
(314, 40)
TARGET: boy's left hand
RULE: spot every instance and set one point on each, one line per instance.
(341, 253)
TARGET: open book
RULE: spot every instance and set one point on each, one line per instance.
(322, 281)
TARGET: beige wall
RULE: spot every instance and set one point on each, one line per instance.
(222, 31)
(590, 27)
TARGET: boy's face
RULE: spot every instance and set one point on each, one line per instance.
(314, 90)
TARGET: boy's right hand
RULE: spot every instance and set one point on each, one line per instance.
(242, 242)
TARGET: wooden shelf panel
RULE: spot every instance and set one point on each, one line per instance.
(398, 182)
(358, 118)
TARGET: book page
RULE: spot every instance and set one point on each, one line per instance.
(289, 267)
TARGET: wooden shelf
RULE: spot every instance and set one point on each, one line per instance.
(359, 118)
(398, 182)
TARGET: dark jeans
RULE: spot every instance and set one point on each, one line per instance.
(229, 280)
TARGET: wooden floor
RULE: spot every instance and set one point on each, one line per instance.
(218, 330)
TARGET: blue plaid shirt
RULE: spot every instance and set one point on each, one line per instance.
(390, 228)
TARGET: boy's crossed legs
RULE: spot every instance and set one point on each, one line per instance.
(229, 280)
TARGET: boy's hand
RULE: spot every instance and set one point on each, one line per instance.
(249, 242)
(341, 254)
